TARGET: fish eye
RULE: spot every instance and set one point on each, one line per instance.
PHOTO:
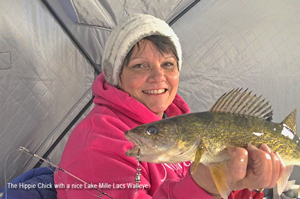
(152, 130)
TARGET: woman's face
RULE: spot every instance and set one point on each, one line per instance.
(151, 77)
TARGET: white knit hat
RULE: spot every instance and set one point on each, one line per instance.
(125, 35)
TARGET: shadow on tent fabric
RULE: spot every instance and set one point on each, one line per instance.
(34, 184)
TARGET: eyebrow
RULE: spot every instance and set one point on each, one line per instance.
(171, 56)
(133, 58)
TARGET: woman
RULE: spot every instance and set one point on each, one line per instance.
(141, 64)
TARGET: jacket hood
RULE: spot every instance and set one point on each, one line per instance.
(114, 98)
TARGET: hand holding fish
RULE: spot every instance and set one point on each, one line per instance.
(263, 170)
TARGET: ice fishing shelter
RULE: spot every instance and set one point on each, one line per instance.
(50, 53)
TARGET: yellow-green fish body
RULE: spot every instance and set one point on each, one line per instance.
(237, 119)
(217, 130)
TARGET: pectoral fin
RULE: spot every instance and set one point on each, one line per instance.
(281, 184)
(218, 172)
(198, 156)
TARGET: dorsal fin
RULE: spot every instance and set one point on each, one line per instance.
(290, 121)
(242, 102)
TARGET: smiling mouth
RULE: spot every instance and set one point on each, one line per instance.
(155, 92)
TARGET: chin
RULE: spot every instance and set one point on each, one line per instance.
(158, 107)
(159, 111)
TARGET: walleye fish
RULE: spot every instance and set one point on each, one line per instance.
(237, 119)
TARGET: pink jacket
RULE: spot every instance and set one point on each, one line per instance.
(95, 152)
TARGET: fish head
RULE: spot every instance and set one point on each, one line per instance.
(154, 142)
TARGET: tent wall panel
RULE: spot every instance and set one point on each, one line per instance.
(43, 76)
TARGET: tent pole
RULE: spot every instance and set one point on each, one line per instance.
(64, 132)
(183, 12)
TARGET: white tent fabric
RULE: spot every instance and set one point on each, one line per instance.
(44, 82)
(45, 77)
(107, 14)
(90, 22)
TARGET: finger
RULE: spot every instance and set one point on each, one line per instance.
(265, 148)
(261, 159)
(282, 165)
(278, 166)
(237, 165)
(258, 173)
(274, 170)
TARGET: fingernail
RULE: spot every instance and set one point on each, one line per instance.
(279, 157)
(276, 156)
(268, 156)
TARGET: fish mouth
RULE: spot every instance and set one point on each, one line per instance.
(137, 144)
(145, 150)
(133, 152)
(133, 139)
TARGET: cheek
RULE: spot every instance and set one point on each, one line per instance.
(131, 83)
(173, 80)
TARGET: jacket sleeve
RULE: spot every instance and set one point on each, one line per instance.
(187, 188)
(246, 194)
(183, 188)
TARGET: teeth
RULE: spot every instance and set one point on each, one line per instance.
(155, 91)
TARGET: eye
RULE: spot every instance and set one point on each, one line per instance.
(169, 65)
(152, 130)
(138, 66)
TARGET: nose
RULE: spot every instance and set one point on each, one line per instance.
(157, 74)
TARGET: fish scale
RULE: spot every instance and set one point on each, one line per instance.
(237, 119)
